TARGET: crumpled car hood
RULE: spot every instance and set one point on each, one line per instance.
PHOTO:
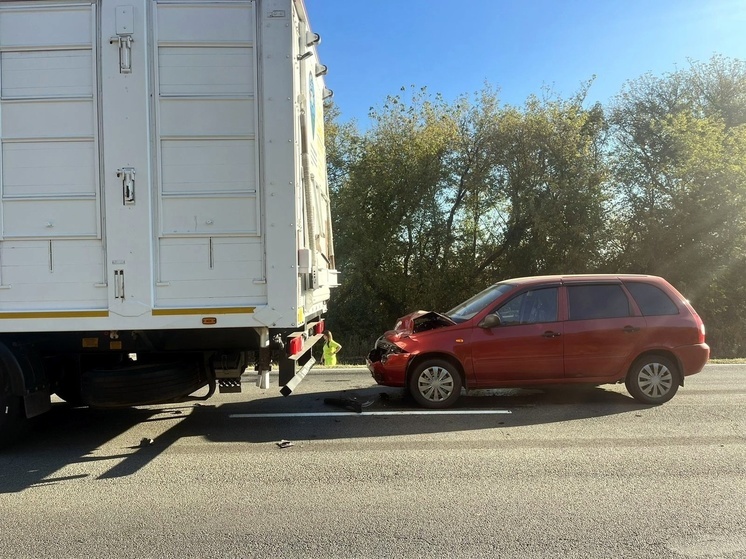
(421, 321)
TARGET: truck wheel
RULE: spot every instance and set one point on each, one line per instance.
(652, 379)
(435, 384)
(12, 420)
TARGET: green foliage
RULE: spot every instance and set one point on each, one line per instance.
(438, 199)
(551, 178)
(680, 171)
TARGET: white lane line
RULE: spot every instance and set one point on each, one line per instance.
(368, 413)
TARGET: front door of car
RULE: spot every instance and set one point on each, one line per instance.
(526, 345)
(602, 332)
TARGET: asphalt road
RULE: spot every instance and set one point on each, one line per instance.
(514, 474)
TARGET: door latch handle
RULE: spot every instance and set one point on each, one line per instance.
(119, 284)
(127, 174)
(125, 52)
(630, 329)
(550, 334)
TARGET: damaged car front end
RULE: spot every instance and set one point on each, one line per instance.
(388, 362)
(393, 352)
(428, 352)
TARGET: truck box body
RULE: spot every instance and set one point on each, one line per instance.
(162, 169)
(148, 195)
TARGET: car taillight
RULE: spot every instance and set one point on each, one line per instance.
(700, 329)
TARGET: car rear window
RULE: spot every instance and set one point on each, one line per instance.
(597, 301)
(652, 300)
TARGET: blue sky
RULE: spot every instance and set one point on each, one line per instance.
(373, 48)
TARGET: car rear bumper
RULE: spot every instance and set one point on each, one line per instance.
(693, 358)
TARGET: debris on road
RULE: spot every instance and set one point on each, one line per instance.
(284, 444)
(350, 403)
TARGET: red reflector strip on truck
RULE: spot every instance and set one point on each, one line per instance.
(295, 345)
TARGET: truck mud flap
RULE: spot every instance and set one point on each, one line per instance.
(136, 385)
(12, 421)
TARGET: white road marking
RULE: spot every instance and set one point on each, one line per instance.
(368, 413)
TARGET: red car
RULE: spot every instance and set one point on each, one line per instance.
(591, 329)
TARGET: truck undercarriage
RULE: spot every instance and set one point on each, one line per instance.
(114, 369)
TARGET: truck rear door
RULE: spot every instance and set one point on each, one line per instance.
(181, 124)
(209, 245)
(52, 255)
(128, 157)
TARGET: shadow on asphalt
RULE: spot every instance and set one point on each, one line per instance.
(67, 435)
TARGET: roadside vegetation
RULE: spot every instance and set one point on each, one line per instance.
(437, 199)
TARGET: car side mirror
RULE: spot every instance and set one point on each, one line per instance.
(489, 321)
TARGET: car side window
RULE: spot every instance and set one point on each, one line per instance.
(597, 301)
(531, 307)
(652, 300)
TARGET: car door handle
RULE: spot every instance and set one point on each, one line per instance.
(550, 334)
(629, 329)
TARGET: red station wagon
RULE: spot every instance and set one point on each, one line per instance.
(591, 329)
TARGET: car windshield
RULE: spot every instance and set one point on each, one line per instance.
(473, 305)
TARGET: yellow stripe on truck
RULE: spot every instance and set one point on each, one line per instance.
(226, 310)
(54, 314)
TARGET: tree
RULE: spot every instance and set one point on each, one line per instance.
(680, 178)
(388, 212)
(439, 199)
(549, 189)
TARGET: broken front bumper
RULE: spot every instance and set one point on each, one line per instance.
(389, 368)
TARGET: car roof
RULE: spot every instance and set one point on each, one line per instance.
(579, 278)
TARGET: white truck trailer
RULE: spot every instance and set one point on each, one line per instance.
(164, 210)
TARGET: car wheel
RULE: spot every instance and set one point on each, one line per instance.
(653, 379)
(435, 384)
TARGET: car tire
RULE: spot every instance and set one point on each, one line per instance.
(653, 379)
(435, 384)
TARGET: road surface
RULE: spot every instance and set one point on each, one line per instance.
(586, 473)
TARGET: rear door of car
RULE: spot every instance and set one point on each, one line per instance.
(603, 331)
